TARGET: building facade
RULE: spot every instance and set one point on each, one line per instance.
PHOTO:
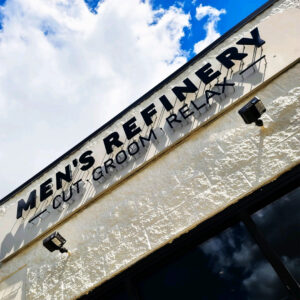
(176, 196)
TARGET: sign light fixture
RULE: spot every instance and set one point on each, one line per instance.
(252, 112)
(55, 242)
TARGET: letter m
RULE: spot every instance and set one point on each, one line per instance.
(22, 205)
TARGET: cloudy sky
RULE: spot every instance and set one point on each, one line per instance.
(68, 66)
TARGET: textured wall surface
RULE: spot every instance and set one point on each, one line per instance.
(212, 169)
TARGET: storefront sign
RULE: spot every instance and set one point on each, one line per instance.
(228, 58)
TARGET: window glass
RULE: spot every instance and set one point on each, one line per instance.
(227, 266)
(118, 293)
(280, 224)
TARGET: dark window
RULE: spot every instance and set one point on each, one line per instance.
(118, 293)
(227, 266)
(280, 224)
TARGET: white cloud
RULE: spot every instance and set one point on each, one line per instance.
(65, 71)
(210, 26)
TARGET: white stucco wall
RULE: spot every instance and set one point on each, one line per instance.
(210, 170)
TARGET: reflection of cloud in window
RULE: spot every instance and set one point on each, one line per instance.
(293, 265)
(263, 283)
(235, 257)
(232, 248)
(280, 223)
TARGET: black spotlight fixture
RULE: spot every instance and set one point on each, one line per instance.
(55, 242)
(252, 112)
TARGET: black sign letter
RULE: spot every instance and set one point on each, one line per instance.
(205, 74)
(110, 140)
(147, 139)
(209, 94)
(22, 205)
(87, 160)
(166, 103)
(226, 57)
(224, 84)
(147, 113)
(131, 129)
(256, 40)
(188, 88)
(46, 189)
(60, 176)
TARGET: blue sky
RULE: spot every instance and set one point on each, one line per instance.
(85, 60)
(236, 10)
